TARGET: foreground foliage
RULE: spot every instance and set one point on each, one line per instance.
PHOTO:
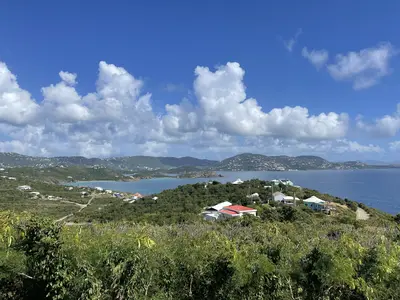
(240, 259)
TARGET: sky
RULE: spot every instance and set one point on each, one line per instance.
(209, 79)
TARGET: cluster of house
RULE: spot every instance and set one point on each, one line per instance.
(9, 178)
(226, 210)
(313, 202)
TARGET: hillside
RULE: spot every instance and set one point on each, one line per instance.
(127, 163)
(162, 249)
(258, 162)
(241, 162)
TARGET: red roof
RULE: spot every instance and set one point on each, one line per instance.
(229, 212)
(239, 208)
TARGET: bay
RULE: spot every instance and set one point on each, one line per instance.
(374, 187)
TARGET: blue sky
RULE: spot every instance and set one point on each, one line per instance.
(324, 77)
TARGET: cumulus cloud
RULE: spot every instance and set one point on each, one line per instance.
(388, 125)
(317, 57)
(364, 68)
(68, 78)
(223, 105)
(16, 105)
(289, 44)
(118, 118)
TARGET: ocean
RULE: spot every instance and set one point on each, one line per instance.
(375, 188)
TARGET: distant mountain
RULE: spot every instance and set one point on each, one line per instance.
(9, 159)
(258, 162)
(242, 162)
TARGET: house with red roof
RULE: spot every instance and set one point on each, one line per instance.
(226, 210)
(137, 196)
(237, 211)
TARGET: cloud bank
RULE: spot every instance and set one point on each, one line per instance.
(117, 118)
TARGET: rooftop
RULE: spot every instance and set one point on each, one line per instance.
(239, 208)
(229, 212)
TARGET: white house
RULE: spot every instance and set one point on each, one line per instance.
(275, 181)
(108, 191)
(218, 206)
(315, 203)
(2, 169)
(24, 188)
(237, 211)
(70, 188)
(100, 189)
(238, 181)
(155, 198)
(69, 177)
(286, 182)
(278, 196)
(12, 178)
(211, 216)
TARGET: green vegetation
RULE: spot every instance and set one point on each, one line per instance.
(162, 249)
(65, 174)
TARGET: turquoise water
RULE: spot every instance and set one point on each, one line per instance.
(375, 188)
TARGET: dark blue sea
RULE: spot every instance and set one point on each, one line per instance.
(375, 188)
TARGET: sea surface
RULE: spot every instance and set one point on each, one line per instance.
(378, 188)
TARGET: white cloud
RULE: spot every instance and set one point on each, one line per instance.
(344, 146)
(68, 78)
(364, 68)
(289, 44)
(317, 57)
(16, 105)
(117, 118)
(222, 105)
(388, 125)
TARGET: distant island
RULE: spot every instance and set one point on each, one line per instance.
(157, 166)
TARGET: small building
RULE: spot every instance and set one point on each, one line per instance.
(315, 203)
(226, 213)
(290, 200)
(69, 177)
(12, 178)
(34, 193)
(238, 181)
(217, 207)
(286, 182)
(278, 196)
(155, 198)
(211, 216)
(137, 196)
(100, 189)
(2, 169)
(24, 188)
(70, 188)
(108, 191)
(275, 181)
(241, 210)
(84, 194)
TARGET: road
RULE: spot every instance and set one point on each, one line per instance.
(81, 207)
(361, 214)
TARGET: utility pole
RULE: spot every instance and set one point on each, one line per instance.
(294, 198)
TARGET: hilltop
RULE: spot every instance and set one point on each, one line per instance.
(241, 162)
(258, 162)
(158, 247)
